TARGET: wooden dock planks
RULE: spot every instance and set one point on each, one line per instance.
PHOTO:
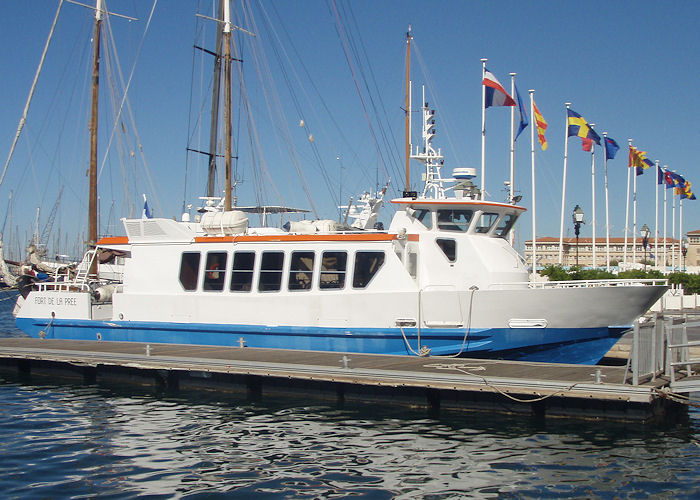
(508, 378)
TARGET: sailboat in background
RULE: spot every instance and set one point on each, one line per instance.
(96, 266)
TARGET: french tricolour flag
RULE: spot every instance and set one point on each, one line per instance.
(496, 95)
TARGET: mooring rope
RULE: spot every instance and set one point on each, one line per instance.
(676, 398)
(460, 368)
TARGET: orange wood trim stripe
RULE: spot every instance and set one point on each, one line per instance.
(213, 239)
(297, 237)
(404, 201)
(413, 237)
(113, 240)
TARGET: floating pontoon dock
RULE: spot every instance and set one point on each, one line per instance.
(644, 389)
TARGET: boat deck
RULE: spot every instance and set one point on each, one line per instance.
(436, 382)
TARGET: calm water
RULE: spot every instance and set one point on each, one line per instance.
(63, 440)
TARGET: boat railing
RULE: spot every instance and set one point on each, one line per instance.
(580, 283)
(62, 286)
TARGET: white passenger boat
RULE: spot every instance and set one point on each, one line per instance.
(442, 280)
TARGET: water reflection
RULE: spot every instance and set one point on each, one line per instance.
(63, 440)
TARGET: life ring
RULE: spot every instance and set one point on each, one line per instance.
(213, 271)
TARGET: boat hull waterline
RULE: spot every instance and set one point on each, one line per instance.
(561, 337)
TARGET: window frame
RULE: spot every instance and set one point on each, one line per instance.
(371, 274)
(479, 229)
(193, 268)
(214, 278)
(342, 273)
(453, 241)
(295, 283)
(235, 272)
(264, 272)
(451, 225)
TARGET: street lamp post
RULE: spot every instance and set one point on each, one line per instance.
(645, 232)
(577, 217)
(684, 251)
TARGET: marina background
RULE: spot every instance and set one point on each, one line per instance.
(624, 68)
(69, 440)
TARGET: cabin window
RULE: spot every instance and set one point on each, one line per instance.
(486, 221)
(448, 247)
(424, 217)
(301, 270)
(454, 220)
(333, 268)
(215, 271)
(242, 273)
(412, 264)
(189, 270)
(505, 225)
(366, 266)
(270, 279)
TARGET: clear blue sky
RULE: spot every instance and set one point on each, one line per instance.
(629, 67)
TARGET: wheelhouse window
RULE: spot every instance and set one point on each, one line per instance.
(333, 270)
(270, 278)
(301, 270)
(215, 271)
(504, 226)
(454, 220)
(412, 264)
(366, 266)
(189, 270)
(486, 221)
(242, 273)
(448, 247)
(425, 217)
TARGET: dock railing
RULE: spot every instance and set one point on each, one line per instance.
(660, 347)
(647, 358)
(678, 348)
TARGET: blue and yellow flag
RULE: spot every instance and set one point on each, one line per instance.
(579, 126)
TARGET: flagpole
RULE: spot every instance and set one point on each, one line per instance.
(607, 205)
(627, 203)
(532, 156)
(665, 220)
(593, 241)
(511, 237)
(512, 139)
(680, 232)
(634, 217)
(483, 129)
(673, 234)
(563, 184)
(656, 218)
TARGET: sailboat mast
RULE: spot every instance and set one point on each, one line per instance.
(227, 104)
(92, 208)
(408, 110)
(214, 120)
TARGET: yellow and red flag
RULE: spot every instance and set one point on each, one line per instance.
(541, 126)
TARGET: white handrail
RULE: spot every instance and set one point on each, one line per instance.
(583, 283)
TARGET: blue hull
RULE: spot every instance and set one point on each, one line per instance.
(555, 345)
